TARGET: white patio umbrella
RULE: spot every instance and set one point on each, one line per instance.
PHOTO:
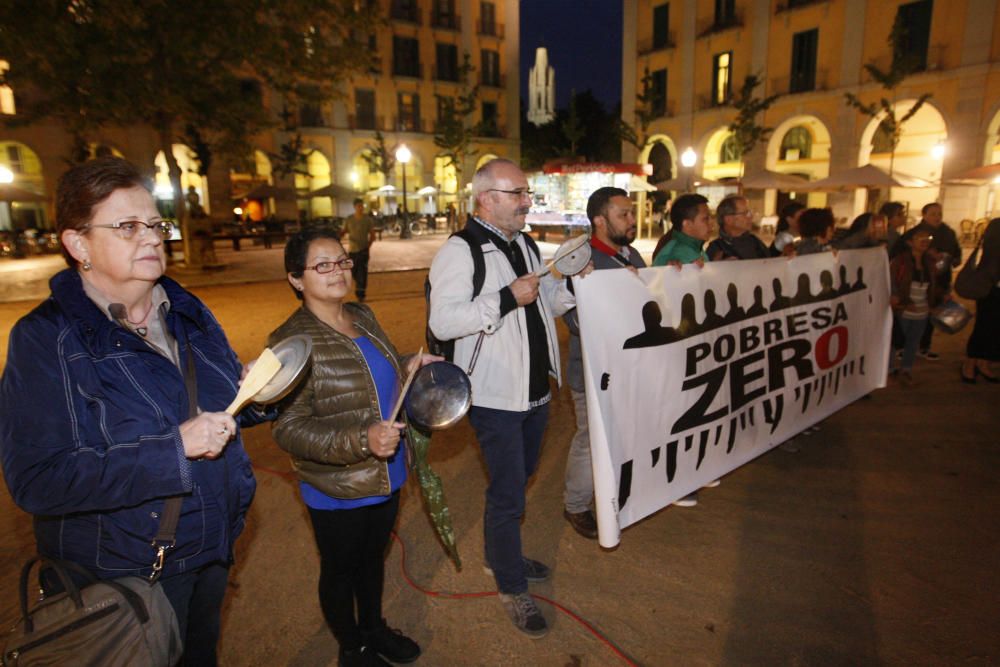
(637, 184)
(773, 180)
(867, 176)
(681, 184)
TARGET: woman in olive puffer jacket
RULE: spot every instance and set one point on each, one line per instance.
(346, 448)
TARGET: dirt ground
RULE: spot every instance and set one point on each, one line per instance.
(877, 543)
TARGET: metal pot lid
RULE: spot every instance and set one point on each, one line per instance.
(577, 254)
(439, 395)
(293, 353)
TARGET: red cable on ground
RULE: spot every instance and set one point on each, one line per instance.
(480, 594)
(483, 594)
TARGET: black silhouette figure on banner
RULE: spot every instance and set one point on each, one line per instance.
(780, 301)
(736, 313)
(804, 294)
(860, 283)
(689, 324)
(655, 334)
(712, 319)
(757, 309)
(826, 287)
(845, 285)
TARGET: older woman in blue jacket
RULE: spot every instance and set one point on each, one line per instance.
(96, 425)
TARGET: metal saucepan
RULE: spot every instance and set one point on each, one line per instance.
(571, 256)
(293, 353)
(439, 395)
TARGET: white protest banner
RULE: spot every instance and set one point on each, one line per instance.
(691, 373)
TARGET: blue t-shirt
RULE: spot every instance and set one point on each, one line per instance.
(387, 388)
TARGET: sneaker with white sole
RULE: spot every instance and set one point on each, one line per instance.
(534, 571)
(690, 500)
(524, 614)
(928, 355)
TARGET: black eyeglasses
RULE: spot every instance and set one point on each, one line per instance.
(327, 267)
(127, 229)
(520, 192)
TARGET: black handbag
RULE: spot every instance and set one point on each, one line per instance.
(974, 282)
(120, 622)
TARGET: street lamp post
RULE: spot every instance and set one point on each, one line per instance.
(403, 156)
(688, 159)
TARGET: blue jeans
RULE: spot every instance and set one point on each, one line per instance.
(913, 330)
(196, 597)
(510, 442)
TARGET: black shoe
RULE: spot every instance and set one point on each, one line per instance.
(362, 656)
(966, 379)
(582, 522)
(392, 644)
(986, 376)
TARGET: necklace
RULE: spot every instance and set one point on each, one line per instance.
(119, 311)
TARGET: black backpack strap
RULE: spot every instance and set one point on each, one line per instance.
(475, 240)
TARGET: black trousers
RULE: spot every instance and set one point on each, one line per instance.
(352, 545)
(360, 273)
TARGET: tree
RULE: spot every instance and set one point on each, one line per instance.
(903, 64)
(746, 131)
(291, 157)
(170, 64)
(380, 157)
(572, 126)
(455, 131)
(647, 102)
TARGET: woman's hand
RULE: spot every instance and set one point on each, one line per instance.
(206, 435)
(416, 362)
(383, 437)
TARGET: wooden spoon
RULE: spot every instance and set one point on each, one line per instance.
(265, 368)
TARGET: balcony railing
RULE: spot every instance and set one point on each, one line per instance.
(933, 62)
(666, 110)
(410, 14)
(493, 131)
(448, 74)
(366, 122)
(791, 5)
(497, 81)
(646, 46)
(705, 102)
(711, 26)
(408, 70)
(405, 124)
(446, 21)
(491, 28)
(783, 85)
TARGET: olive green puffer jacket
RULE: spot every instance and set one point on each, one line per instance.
(324, 422)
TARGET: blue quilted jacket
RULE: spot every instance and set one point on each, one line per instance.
(90, 440)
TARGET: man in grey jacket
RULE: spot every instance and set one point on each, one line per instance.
(613, 226)
(505, 337)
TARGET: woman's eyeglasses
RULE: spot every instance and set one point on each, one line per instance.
(327, 267)
(127, 229)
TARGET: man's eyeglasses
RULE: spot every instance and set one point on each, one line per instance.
(327, 267)
(127, 229)
(520, 192)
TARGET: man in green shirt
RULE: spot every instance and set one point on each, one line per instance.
(360, 229)
(692, 223)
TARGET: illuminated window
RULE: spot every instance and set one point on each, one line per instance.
(722, 67)
(6, 93)
(882, 139)
(730, 150)
(796, 144)
(409, 112)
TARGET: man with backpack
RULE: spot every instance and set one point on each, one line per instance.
(504, 335)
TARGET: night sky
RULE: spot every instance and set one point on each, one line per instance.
(584, 39)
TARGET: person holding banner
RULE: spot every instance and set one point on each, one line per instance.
(506, 336)
(915, 291)
(692, 223)
(735, 240)
(613, 228)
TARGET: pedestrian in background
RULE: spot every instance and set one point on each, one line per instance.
(360, 230)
